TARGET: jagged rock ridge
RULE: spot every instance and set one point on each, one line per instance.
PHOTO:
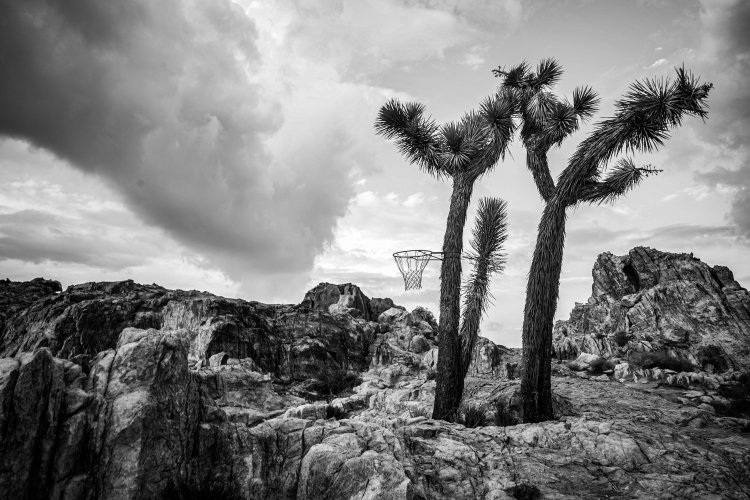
(657, 301)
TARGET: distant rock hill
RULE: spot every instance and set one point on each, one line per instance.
(128, 391)
(649, 301)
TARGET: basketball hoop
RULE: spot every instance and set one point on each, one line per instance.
(411, 263)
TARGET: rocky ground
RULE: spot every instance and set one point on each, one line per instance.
(120, 390)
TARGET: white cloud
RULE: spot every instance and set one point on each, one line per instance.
(658, 63)
(474, 57)
(413, 200)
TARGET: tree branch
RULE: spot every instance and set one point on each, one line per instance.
(623, 177)
(642, 121)
(415, 135)
(536, 161)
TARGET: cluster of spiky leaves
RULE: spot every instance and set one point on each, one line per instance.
(547, 119)
(470, 146)
(641, 123)
(488, 238)
(623, 177)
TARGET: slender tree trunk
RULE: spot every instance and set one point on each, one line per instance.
(541, 302)
(536, 161)
(448, 391)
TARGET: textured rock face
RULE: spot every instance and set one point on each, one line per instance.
(117, 433)
(143, 420)
(656, 301)
(87, 319)
(345, 298)
(494, 361)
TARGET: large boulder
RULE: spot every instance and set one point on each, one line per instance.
(346, 298)
(379, 306)
(657, 301)
(494, 361)
(16, 296)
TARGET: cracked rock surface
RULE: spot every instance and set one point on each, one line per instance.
(141, 419)
(649, 300)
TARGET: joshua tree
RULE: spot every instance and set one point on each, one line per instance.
(641, 123)
(489, 235)
(463, 151)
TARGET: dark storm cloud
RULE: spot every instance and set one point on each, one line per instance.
(156, 98)
(726, 51)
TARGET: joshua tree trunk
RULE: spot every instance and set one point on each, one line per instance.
(448, 391)
(541, 301)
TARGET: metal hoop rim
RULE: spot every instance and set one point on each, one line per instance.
(426, 254)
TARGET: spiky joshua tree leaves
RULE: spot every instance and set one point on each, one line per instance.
(461, 151)
(487, 242)
(641, 123)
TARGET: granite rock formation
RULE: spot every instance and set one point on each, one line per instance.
(661, 302)
(345, 299)
(86, 319)
(152, 415)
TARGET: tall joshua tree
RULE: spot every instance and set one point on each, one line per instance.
(462, 151)
(641, 123)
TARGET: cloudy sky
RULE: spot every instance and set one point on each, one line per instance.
(228, 146)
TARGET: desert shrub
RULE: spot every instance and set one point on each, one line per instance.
(472, 416)
(596, 367)
(504, 416)
(524, 492)
(660, 359)
(620, 338)
(601, 365)
(334, 383)
(421, 411)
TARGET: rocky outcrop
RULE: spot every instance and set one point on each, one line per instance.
(379, 306)
(141, 424)
(494, 361)
(286, 340)
(346, 299)
(85, 319)
(656, 301)
(156, 416)
(15, 296)
(340, 299)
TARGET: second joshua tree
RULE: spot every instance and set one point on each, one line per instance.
(641, 123)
